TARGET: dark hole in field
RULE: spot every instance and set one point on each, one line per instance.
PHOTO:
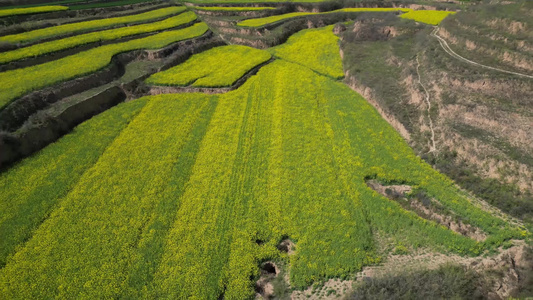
(268, 268)
(259, 242)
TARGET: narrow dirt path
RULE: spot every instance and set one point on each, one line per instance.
(452, 53)
(432, 147)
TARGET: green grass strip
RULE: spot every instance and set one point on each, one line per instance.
(30, 10)
(18, 82)
(223, 8)
(433, 17)
(89, 25)
(218, 67)
(258, 22)
(32, 188)
(112, 34)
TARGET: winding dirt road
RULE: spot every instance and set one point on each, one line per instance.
(448, 50)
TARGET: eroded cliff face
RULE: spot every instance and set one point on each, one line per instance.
(472, 123)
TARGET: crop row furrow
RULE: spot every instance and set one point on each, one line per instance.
(32, 188)
(97, 225)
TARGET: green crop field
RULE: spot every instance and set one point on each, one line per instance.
(258, 22)
(30, 10)
(316, 49)
(433, 17)
(21, 81)
(89, 25)
(217, 67)
(70, 42)
(170, 194)
(278, 181)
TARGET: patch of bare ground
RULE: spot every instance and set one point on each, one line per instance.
(368, 30)
(417, 6)
(489, 161)
(479, 106)
(508, 25)
(516, 128)
(219, 22)
(331, 289)
(242, 13)
(248, 42)
(506, 264)
(502, 271)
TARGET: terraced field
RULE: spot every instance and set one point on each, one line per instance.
(98, 36)
(273, 19)
(30, 10)
(43, 75)
(428, 17)
(212, 68)
(276, 171)
(88, 26)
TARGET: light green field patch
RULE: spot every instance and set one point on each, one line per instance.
(258, 22)
(217, 67)
(89, 25)
(316, 49)
(112, 34)
(30, 10)
(16, 83)
(433, 17)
